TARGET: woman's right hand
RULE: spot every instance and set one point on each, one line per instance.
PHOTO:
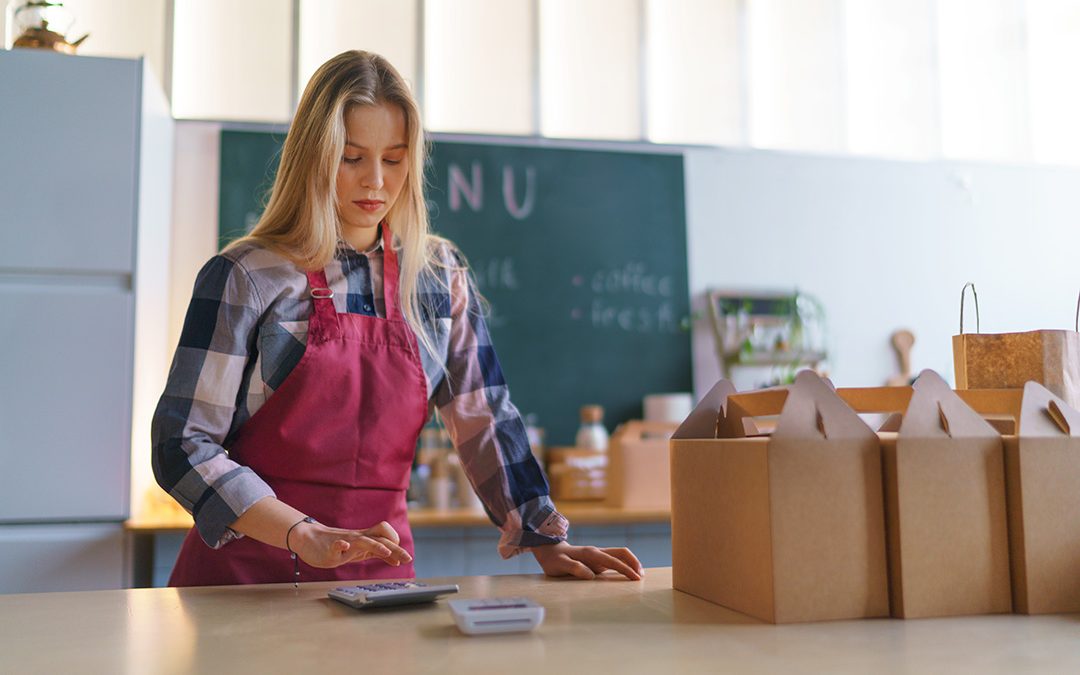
(321, 546)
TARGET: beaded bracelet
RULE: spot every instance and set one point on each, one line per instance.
(296, 560)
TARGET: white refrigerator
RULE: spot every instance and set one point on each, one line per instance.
(86, 156)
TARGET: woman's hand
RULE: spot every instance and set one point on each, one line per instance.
(321, 546)
(586, 562)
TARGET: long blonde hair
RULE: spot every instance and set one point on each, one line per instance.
(301, 222)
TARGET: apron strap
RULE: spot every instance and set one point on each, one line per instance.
(390, 275)
(324, 321)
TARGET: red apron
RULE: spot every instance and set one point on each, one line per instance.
(335, 441)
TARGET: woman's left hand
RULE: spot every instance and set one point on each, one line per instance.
(586, 562)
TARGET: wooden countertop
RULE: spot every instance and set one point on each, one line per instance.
(598, 626)
(579, 513)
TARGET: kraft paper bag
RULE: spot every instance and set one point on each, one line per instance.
(1011, 360)
(788, 527)
(945, 508)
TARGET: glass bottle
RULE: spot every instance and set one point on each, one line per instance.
(592, 435)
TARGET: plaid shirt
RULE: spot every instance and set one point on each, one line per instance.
(245, 330)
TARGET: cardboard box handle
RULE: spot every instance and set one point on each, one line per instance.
(935, 408)
(704, 419)
(1043, 414)
(1058, 417)
(809, 409)
(944, 418)
(738, 418)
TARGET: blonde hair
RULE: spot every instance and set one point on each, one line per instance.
(301, 221)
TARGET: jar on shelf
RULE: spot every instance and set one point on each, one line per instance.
(592, 435)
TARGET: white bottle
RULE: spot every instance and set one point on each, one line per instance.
(592, 435)
(439, 485)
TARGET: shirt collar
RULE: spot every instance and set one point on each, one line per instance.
(344, 246)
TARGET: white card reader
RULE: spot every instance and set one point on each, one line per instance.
(484, 616)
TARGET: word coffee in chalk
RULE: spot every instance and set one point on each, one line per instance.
(632, 277)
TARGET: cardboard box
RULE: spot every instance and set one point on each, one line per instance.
(1042, 475)
(577, 474)
(945, 498)
(945, 508)
(639, 466)
(785, 528)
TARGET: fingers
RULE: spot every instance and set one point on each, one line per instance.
(599, 560)
(628, 557)
(587, 562)
(562, 564)
(384, 530)
(578, 569)
(383, 549)
(397, 556)
(362, 547)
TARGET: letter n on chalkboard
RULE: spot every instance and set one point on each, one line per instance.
(462, 188)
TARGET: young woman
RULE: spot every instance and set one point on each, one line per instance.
(313, 352)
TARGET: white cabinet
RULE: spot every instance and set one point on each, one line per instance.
(65, 422)
(69, 140)
(86, 150)
(41, 558)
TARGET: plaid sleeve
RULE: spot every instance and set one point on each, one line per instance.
(196, 411)
(489, 434)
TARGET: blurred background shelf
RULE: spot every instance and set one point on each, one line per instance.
(779, 330)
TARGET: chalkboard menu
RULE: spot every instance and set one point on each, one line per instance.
(580, 253)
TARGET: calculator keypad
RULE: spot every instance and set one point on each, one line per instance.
(375, 588)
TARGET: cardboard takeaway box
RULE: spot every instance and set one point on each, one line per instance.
(945, 501)
(785, 528)
(1042, 473)
(639, 467)
(1042, 499)
(793, 527)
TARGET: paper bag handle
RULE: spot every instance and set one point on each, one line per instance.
(978, 327)
(1076, 326)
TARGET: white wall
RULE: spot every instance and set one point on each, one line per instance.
(153, 351)
(194, 212)
(884, 245)
(192, 241)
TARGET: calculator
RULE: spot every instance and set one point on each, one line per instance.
(389, 594)
(496, 615)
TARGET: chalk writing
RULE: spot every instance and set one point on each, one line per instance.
(468, 189)
(496, 274)
(634, 319)
(632, 277)
(519, 211)
(461, 188)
